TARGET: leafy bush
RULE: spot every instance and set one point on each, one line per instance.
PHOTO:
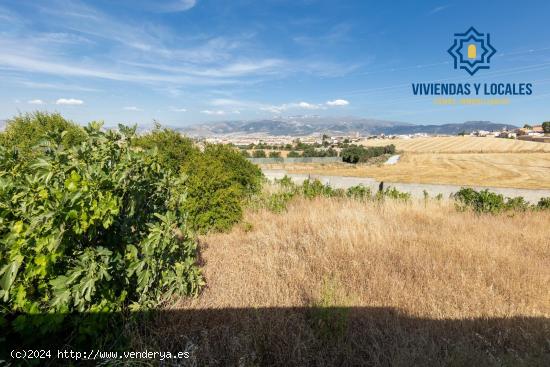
(274, 154)
(393, 193)
(214, 199)
(359, 192)
(98, 227)
(277, 202)
(518, 203)
(293, 154)
(485, 201)
(544, 203)
(314, 188)
(218, 179)
(218, 182)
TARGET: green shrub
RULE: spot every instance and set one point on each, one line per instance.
(393, 193)
(314, 188)
(277, 202)
(293, 154)
(274, 154)
(359, 192)
(218, 182)
(213, 197)
(98, 227)
(286, 182)
(483, 201)
(248, 176)
(218, 179)
(544, 203)
(518, 204)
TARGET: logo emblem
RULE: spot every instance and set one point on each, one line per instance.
(472, 50)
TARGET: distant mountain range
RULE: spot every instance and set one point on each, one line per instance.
(301, 126)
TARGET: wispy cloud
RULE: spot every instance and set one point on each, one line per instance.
(437, 9)
(69, 101)
(131, 108)
(56, 86)
(36, 102)
(147, 53)
(304, 106)
(176, 5)
(214, 112)
(176, 109)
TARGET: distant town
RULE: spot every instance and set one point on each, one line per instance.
(527, 133)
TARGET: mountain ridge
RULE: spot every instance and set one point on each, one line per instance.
(302, 126)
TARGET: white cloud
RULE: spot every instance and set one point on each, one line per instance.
(36, 101)
(337, 102)
(288, 106)
(175, 109)
(132, 108)
(308, 106)
(211, 112)
(69, 101)
(227, 102)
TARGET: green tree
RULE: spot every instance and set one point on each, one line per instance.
(173, 148)
(24, 133)
(546, 127)
(259, 153)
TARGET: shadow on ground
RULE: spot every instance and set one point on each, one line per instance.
(355, 336)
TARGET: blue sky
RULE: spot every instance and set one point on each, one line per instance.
(188, 61)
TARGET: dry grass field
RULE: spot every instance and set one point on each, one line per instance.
(461, 144)
(341, 282)
(452, 160)
(520, 170)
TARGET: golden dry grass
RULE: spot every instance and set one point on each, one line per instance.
(427, 261)
(341, 282)
(461, 144)
(520, 170)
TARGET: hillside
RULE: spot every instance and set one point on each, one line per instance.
(300, 126)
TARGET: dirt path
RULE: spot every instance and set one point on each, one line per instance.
(416, 189)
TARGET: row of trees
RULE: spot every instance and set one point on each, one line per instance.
(358, 153)
(296, 145)
(351, 153)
